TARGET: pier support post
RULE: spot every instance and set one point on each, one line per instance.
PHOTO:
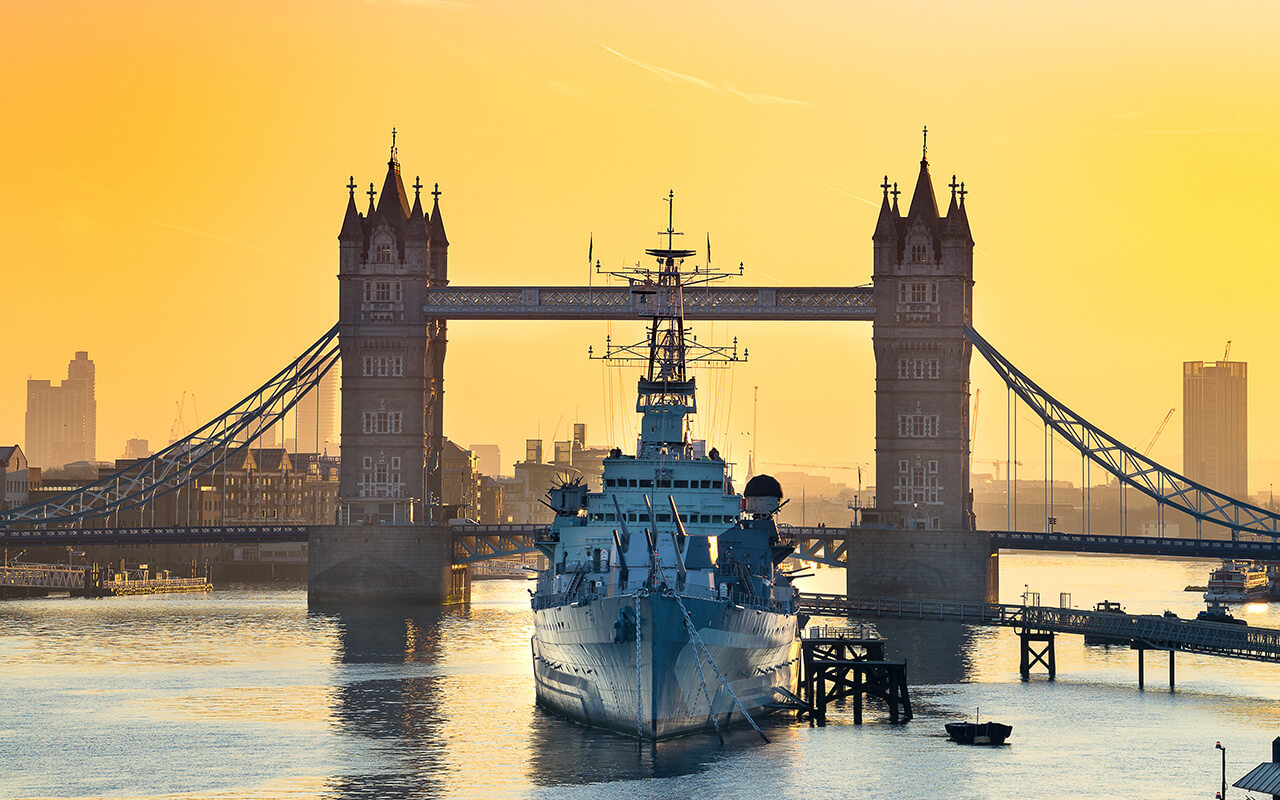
(1030, 655)
(1140, 676)
(1171, 685)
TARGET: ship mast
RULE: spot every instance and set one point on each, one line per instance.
(666, 392)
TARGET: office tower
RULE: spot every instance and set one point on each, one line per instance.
(1215, 444)
(62, 421)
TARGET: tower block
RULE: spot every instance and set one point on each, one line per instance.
(920, 540)
(391, 542)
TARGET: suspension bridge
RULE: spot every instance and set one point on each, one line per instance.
(395, 301)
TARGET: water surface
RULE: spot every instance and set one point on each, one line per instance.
(245, 693)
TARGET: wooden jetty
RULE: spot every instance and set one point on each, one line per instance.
(839, 663)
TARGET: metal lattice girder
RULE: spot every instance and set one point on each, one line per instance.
(621, 302)
(820, 545)
(169, 534)
(472, 543)
(1147, 476)
(193, 456)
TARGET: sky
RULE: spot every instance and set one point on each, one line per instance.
(175, 180)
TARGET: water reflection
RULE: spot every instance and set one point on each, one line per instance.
(565, 752)
(389, 693)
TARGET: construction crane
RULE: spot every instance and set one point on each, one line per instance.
(1226, 354)
(995, 462)
(1146, 451)
(1155, 437)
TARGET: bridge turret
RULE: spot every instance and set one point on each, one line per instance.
(887, 240)
(437, 241)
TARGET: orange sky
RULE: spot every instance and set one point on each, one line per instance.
(175, 178)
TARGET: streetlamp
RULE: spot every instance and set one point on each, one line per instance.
(1223, 794)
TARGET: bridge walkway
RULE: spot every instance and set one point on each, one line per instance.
(1141, 631)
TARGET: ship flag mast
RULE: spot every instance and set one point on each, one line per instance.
(666, 390)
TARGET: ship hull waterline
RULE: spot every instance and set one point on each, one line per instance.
(584, 659)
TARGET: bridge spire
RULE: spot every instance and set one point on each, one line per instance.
(417, 215)
(352, 229)
(435, 228)
(887, 222)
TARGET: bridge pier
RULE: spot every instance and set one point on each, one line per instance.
(384, 565)
(909, 564)
(1141, 666)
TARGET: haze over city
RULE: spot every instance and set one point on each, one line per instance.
(182, 173)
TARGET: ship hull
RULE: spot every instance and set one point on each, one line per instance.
(585, 656)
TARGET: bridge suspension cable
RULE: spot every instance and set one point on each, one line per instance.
(193, 456)
(1132, 468)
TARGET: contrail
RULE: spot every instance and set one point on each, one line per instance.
(854, 196)
(671, 76)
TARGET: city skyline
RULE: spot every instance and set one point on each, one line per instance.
(244, 199)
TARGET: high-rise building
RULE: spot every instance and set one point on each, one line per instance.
(1215, 430)
(62, 421)
(136, 448)
(317, 427)
(488, 458)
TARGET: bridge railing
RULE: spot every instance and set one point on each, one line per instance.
(1155, 631)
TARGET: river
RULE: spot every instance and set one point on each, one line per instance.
(244, 693)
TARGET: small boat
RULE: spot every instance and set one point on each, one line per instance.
(978, 732)
(1217, 612)
(1106, 607)
(975, 732)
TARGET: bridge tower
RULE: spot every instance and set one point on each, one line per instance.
(923, 286)
(390, 543)
(392, 357)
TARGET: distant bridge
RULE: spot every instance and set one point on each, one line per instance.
(474, 543)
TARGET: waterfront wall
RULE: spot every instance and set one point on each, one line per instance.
(384, 565)
(922, 565)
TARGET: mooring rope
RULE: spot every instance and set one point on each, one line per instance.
(697, 660)
(639, 725)
(697, 640)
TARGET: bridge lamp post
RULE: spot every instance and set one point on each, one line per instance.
(1223, 794)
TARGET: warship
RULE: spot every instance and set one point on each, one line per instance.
(664, 610)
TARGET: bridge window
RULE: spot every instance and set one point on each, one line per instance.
(918, 369)
(918, 426)
(914, 485)
(382, 366)
(919, 254)
(382, 292)
(383, 254)
(376, 422)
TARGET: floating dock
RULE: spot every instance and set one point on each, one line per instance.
(35, 580)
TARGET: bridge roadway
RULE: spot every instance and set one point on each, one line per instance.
(474, 543)
(1141, 631)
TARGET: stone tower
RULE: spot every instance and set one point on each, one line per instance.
(923, 287)
(392, 358)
